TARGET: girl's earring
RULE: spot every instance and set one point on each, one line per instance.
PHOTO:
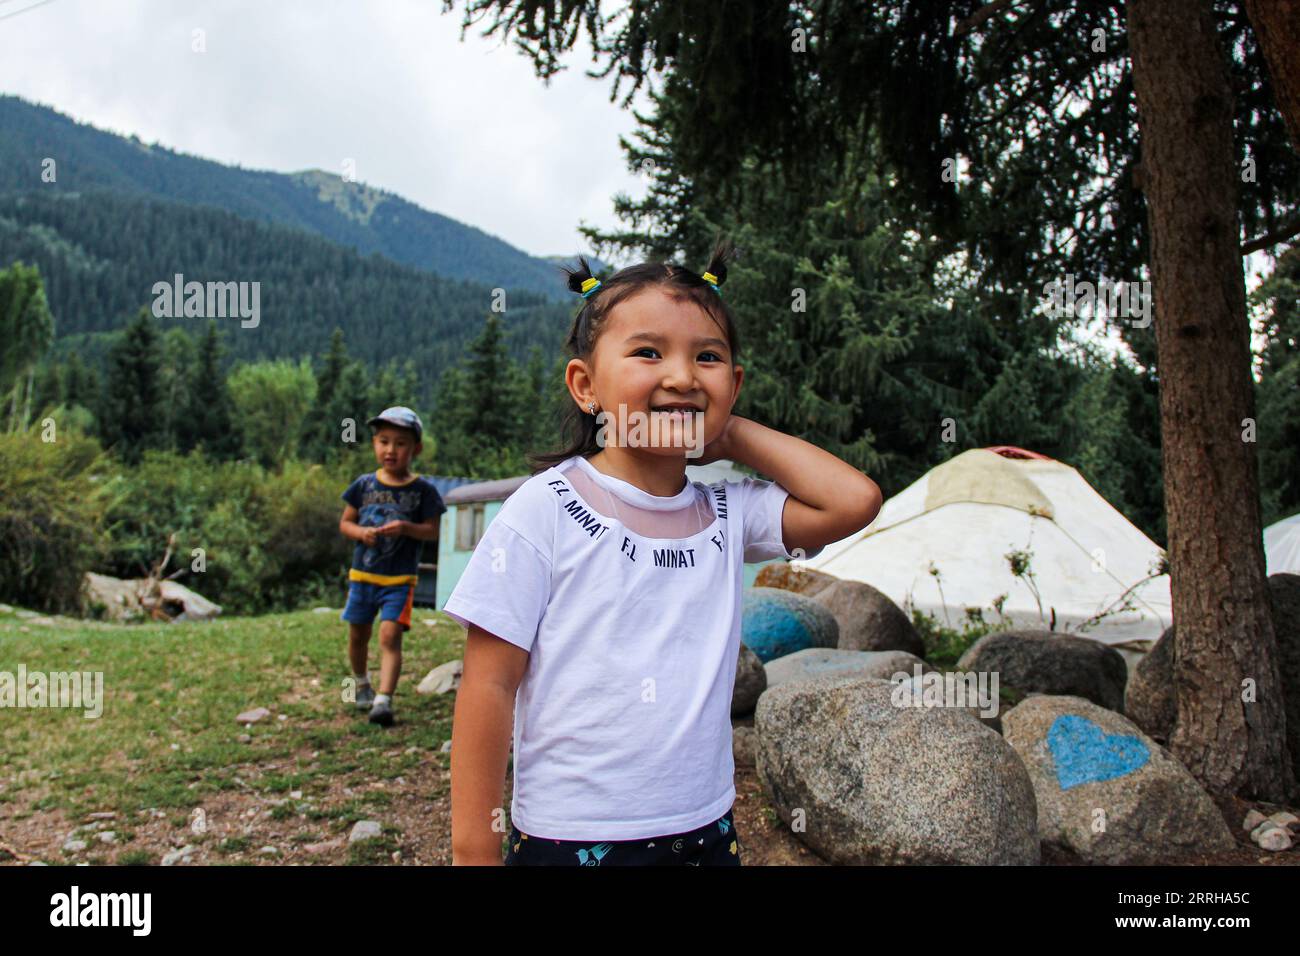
(591, 407)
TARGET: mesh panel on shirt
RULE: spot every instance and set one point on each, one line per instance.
(665, 518)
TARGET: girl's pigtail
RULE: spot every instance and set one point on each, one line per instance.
(716, 273)
(580, 280)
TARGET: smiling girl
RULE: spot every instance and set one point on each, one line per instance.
(603, 602)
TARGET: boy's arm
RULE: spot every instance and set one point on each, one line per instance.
(480, 742)
(426, 531)
(829, 498)
(350, 529)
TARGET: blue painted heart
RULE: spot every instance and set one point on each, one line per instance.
(1084, 753)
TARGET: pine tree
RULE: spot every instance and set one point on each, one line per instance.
(175, 383)
(320, 433)
(80, 384)
(209, 410)
(130, 419)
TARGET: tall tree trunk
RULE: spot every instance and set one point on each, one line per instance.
(27, 403)
(13, 403)
(1232, 740)
(1277, 27)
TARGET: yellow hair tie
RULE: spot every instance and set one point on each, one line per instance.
(589, 285)
(712, 280)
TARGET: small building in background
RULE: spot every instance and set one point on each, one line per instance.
(426, 590)
(470, 509)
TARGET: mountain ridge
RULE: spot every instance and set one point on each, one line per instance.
(354, 214)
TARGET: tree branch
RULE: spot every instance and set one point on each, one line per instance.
(1287, 230)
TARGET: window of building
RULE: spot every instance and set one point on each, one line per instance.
(470, 521)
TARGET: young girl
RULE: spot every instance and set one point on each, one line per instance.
(603, 602)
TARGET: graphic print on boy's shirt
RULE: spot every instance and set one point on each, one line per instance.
(377, 504)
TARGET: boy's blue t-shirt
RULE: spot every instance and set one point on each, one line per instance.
(395, 559)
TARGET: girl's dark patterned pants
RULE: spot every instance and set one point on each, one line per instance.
(714, 844)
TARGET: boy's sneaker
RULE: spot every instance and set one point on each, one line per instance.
(365, 697)
(382, 713)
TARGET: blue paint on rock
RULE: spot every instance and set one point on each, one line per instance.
(1084, 753)
(775, 622)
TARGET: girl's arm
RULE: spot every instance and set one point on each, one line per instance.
(480, 742)
(829, 498)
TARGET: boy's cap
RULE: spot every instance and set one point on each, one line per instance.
(402, 417)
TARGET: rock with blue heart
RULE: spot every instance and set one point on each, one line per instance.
(1083, 753)
(1106, 792)
(776, 622)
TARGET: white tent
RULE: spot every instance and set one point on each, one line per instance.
(1282, 546)
(965, 516)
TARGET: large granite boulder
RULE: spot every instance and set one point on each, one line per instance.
(1106, 791)
(1047, 662)
(775, 623)
(869, 620)
(862, 780)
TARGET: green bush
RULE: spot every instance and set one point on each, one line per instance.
(269, 541)
(53, 495)
(279, 545)
(945, 645)
(167, 493)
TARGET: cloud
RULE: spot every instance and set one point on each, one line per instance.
(462, 128)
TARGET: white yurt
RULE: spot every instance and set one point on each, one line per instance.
(964, 517)
(1282, 546)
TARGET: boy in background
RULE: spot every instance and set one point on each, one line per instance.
(390, 513)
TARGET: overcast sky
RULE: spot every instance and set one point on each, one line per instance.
(461, 128)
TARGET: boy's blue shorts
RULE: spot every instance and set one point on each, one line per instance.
(392, 602)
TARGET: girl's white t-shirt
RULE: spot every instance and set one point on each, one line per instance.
(629, 606)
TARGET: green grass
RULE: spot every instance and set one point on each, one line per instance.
(374, 852)
(234, 845)
(167, 737)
